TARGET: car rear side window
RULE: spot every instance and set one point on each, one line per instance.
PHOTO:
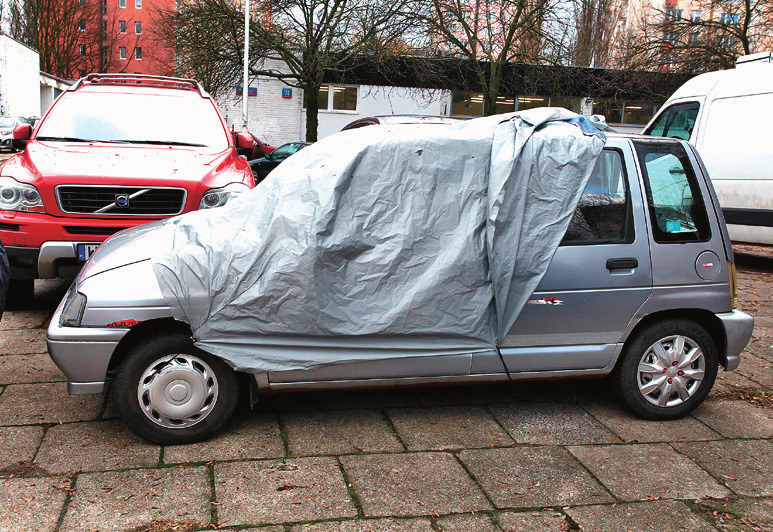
(674, 198)
(603, 215)
(676, 122)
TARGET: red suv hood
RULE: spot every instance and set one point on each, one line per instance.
(57, 163)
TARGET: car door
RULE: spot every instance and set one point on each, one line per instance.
(599, 277)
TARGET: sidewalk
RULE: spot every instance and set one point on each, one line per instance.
(527, 456)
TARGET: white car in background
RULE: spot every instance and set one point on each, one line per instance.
(726, 115)
(7, 123)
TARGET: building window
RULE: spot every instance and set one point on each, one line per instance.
(83, 3)
(673, 14)
(82, 25)
(122, 52)
(138, 27)
(695, 16)
(121, 3)
(728, 18)
(692, 38)
(336, 98)
(82, 49)
(122, 26)
(530, 102)
(727, 41)
(138, 4)
(466, 104)
(138, 53)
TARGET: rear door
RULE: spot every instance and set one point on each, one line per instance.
(598, 279)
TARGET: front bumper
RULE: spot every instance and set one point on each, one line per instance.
(51, 260)
(82, 353)
(738, 330)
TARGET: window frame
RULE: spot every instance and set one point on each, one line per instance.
(629, 231)
(138, 53)
(121, 26)
(121, 52)
(702, 223)
(138, 27)
(331, 98)
(122, 4)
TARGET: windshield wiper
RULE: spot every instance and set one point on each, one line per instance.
(161, 142)
(66, 139)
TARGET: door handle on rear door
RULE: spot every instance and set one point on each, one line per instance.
(622, 264)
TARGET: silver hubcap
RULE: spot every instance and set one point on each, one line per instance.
(177, 391)
(671, 371)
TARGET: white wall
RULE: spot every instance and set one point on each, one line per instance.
(271, 118)
(377, 101)
(19, 79)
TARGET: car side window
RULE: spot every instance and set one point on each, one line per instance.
(603, 215)
(676, 122)
(674, 199)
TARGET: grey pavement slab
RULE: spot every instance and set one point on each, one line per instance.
(465, 394)
(638, 517)
(562, 391)
(94, 447)
(745, 514)
(412, 484)
(132, 500)
(736, 419)
(648, 471)
(525, 477)
(472, 522)
(532, 521)
(24, 319)
(341, 399)
(275, 491)
(26, 404)
(634, 429)
(551, 424)
(18, 445)
(745, 466)
(252, 435)
(16, 369)
(448, 427)
(758, 369)
(22, 341)
(30, 503)
(367, 525)
(338, 432)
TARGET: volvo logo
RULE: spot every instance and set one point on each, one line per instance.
(121, 200)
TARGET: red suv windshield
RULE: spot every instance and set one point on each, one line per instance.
(136, 118)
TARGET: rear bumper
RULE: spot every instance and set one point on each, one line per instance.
(82, 353)
(738, 330)
(51, 260)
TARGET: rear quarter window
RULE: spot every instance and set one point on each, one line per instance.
(674, 199)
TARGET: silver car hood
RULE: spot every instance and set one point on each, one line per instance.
(132, 245)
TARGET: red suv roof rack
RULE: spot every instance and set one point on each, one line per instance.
(140, 79)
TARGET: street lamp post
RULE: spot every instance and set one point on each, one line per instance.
(246, 85)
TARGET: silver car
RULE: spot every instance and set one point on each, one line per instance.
(643, 287)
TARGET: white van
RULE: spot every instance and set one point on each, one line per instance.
(728, 115)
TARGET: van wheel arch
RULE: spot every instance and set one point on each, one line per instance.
(704, 318)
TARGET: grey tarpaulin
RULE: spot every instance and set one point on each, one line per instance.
(382, 242)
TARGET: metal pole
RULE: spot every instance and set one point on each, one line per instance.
(246, 85)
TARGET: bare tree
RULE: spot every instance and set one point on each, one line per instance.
(490, 35)
(295, 41)
(709, 37)
(593, 23)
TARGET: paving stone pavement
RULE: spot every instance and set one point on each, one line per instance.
(552, 456)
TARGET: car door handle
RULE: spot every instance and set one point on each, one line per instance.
(622, 264)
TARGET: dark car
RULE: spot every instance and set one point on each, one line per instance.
(261, 167)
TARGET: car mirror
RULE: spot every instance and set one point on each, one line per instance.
(244, 144)
(21, 134)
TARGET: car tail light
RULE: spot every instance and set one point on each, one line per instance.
(733, 285)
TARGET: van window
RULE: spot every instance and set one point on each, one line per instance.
(673, 196)
(603, 213)
(676, 122)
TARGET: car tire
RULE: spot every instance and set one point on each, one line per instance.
(169, 392)
(653, 376)
(20, 294)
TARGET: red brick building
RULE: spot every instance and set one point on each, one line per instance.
(123, 36)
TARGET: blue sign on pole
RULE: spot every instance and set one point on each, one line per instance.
(251, 91)
(287, 93)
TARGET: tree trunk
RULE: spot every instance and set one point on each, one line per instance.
(311, 98)
(490, 102)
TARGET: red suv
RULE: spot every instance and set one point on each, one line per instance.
(112, 152)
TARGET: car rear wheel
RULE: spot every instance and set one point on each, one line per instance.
(667, 369)
(170, 392)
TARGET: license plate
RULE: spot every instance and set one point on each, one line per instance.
(85, 251)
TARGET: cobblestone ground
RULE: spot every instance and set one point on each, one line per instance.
(528, 456)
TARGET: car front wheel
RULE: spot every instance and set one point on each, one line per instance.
(169, 392)
(667, 369)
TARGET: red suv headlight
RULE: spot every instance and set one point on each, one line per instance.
(15, 196)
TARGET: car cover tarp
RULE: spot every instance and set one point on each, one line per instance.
(384, 241)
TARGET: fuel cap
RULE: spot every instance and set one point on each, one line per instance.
(707, 265)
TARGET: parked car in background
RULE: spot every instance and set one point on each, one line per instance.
(7, 123)
(112, 152)
(263, 165)
(726, 116)
(260, 148)
(399, 119)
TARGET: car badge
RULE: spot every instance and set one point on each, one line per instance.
(121, 200)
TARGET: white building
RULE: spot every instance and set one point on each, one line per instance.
(19, 79)
(50, 88)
